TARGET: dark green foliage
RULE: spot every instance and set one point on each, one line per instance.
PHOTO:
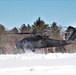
(7, 41)
(14, 30)
(55, 30)
(25, 28)
(2, 29)
(39, 26)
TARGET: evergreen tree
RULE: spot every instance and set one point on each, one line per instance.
(39, 26)
(55, 30)
(2, 29)
(14, 30)
(25, 28)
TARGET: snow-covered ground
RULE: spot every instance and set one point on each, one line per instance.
(38, 64)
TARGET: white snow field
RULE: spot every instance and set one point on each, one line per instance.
(38, 64)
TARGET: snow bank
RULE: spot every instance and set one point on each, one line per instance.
(38, 64)
(36, 56)
(40, 70)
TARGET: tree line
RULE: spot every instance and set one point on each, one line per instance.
(39, 26)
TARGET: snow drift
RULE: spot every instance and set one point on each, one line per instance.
(38, 64)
